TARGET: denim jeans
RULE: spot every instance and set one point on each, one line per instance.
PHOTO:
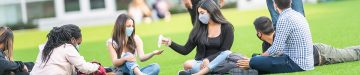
(269, 64)
(221, 57)
(296, 5)
(128, 67)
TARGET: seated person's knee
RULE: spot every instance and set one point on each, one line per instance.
(188, 64)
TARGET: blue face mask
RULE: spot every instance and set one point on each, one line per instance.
(129, 31)
(204, 18)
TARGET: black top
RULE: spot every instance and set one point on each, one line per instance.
(221, 43)
(8, 66)
(193, 11)
(265, 46)
(213, 45)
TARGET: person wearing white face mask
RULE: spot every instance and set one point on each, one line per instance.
(213, 36)
(125, 45)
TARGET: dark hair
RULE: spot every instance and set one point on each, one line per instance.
(283, 4)
(119, 35)
(59, 36)
(7, 39)
(200, 31)
(263, 24)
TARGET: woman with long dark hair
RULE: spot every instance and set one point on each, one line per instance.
(60, 56)
(125, 45)
(213, 36)
(8, 65)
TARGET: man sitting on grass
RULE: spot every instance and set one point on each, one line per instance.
(323, 54)
(291, 50)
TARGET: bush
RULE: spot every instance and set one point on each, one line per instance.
(19, 26)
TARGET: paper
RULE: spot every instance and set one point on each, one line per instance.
(160, 40)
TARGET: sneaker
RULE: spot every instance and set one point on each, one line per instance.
(183, 72)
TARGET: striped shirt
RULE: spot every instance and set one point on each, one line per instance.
(293, 38)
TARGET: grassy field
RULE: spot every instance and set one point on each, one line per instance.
(333, 23)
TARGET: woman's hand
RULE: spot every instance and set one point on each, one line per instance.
(166, 41)
(157, 52)
(244, 63)
(188, 4)
(205, 63)
(25, 69)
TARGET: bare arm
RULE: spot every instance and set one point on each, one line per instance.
(115, 60)
(140, 50)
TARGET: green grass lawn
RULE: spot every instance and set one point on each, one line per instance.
(333, 23)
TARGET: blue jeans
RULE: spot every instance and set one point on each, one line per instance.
(269, 64)
(296, 5)
(221, 57)
(128, 67)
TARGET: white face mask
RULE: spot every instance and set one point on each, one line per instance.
(204, 18)
(77, 46)
(129, 31)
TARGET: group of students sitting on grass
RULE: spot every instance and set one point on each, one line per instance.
(287, 47)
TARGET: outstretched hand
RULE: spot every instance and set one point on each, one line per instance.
(157, 52)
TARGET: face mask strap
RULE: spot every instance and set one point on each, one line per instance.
(259, 35)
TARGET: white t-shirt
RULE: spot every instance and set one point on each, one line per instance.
(110, 41)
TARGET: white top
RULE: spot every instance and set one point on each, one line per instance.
(63, 61)
(110, 41)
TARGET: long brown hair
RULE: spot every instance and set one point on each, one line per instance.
(119, 35)
(200, 30)
(7, 39)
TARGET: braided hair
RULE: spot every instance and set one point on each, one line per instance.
(59, 36)
(7, 39)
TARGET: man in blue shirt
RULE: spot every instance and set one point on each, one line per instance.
(292, 49)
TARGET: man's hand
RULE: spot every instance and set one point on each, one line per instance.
(244, 63)
(265, 54)
(222, 3)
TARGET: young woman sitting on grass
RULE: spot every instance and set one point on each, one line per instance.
(60, 56)
(7, 64)
(125, 45)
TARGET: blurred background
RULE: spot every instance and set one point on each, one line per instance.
(333, 22)
(45, 14)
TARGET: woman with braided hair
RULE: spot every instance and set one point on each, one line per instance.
(60, 56)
